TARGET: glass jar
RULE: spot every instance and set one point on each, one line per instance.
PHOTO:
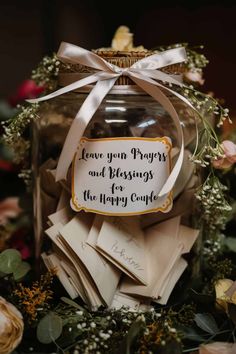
(129, 115)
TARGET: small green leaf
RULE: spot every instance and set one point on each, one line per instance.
(72, 303)
(49, 328)
(10, 259)
(206, 322)
(21, 271)
(230, 242)
(191, 334)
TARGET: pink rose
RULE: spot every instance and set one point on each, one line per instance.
(9, 208)
(230, 155)
(218, 348)
(28, 89)
(194, 77)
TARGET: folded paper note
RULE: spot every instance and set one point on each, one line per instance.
(52, 261)
(93, 253)
(103, 275)
(165, 243)
(121, 240)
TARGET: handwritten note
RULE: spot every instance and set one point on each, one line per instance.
(121, 241)
(120, 176)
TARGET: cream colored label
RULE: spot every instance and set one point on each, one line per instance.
(121, 176)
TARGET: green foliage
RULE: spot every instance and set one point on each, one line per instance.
(195, 60)
(206, 322)
(230, 243)
(49, 328)
(134, 331)
(11, 263)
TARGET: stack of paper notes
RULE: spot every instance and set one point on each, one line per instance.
(113, 261)
(117, 261)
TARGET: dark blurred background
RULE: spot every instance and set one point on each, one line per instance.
(31, 29)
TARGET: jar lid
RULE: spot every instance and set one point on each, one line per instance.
(123, 54)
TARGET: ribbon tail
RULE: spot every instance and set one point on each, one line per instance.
(82, 119)
(74, 86)
(159, 96)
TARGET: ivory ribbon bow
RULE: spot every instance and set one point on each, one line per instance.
(143, 73)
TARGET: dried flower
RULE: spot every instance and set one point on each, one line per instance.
(123, 39)
(225, 293)
(9, 208)
(229, 157)
(28, 89)
(194, 76)
(35, 299)
(11, 327)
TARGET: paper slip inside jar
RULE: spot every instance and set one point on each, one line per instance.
(121, 176)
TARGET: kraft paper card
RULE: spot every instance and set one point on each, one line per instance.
(183, 204)
(47, 180)
(104, 274)
(95, 230)
(122, 300)
(171, 280)
(121, 240)
(62, 216)
(64, 200)
(53, 262)
(53, 233)
(165, 243)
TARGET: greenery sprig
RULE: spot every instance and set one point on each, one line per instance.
(47, 72)
(195, 60)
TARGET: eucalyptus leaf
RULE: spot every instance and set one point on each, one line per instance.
(21, 271)
(206, 322)
(230, 242)
(191, 334)
(10, 260)
(72, 303)
(49, 328)
(135, 329)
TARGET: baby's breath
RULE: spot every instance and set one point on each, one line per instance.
(15, 127)
(195, 60)
(46, 73)
(208, 146)
(216, 208)
(14, 130)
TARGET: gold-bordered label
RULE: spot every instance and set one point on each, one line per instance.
(121, 176)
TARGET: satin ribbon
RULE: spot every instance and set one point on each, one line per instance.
(144, 73)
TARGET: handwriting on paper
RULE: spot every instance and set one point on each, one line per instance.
(122, 253)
